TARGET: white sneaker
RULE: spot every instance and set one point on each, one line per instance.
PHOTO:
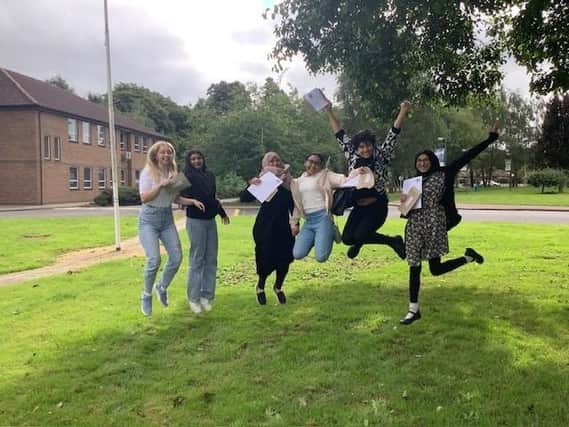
(206, 305)
(195, 307)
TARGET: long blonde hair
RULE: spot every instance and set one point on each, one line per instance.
(152, 161)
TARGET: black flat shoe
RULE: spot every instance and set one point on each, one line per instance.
(407, 320)
(479, 259)
(353, 251)
(280, 295)
(261, 298)
(399, 247)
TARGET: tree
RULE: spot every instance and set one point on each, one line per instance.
(61, 83)
(553, 147)
(437, 50)
(224, 97)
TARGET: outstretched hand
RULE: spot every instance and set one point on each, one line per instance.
(405, 106)
(495, 127)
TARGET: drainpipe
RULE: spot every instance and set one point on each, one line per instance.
(40, 158)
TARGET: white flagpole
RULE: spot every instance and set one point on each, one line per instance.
(112, 135)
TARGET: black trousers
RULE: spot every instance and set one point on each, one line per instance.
(437, 268)
(364, 221)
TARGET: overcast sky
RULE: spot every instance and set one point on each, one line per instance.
(175, 47)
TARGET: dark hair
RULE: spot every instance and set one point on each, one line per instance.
(319, 155)
(435, 164)
(189, 155)
(363, 137)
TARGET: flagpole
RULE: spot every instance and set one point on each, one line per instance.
(112, 135)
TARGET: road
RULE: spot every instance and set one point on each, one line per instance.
(476, 215)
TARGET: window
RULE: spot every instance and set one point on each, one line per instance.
(101, 178)
(138, 142)
(144, 145)
(137, 176)
(111, 177)
(73, 178)
(122, 140)
(87, 183)
(123, 174)
(100, 135)
(57, 148)
(86, 133)
(72, 130)
(47, 147)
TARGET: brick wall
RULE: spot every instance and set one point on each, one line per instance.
(20, 180)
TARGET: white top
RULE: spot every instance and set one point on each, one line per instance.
(165, 197)
(311, 193)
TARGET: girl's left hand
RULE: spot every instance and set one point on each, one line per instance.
(225, 220)
(199, 205)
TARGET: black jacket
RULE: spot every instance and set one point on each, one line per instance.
(203, 189)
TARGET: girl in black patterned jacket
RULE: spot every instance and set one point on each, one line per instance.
(370, 205)
(426, 233)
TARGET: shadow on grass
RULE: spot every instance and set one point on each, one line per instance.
(334, 356)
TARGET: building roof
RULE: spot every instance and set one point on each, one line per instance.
(17, 90)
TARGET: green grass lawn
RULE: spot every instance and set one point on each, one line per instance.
(491, 349)
(32, 243)
(506, 196)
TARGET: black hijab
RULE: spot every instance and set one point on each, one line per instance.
(435, 164)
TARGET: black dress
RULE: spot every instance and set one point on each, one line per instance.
(272, 235)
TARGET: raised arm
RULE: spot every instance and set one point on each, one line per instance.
(384, 151)
(334, 122)
(468, 155)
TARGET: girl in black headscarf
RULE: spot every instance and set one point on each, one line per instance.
(202, 208)
(426, 232)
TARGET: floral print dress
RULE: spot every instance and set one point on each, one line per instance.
(426, 233)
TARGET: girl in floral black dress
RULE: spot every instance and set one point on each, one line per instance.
(426, 233)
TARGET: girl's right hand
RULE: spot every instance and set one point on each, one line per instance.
(255, 181)
(294, 229)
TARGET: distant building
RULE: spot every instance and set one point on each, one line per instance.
(55, 147)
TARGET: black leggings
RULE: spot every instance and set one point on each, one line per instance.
(437, 268)
(363, 223)
(281, 273)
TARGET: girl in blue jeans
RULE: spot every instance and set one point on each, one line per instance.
(156, 222)
(312, 195)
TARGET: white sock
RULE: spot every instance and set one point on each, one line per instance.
(146, 294)
(414, 307)
(468, 258)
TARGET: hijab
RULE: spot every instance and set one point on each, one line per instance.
(281, 173)
(435, 164)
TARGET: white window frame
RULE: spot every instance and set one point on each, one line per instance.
(86, 137)
(56, 148)
(101, 135)
(74, 183)
(122, 140)
(46, 147)
(138, 141)
(87, 183)
(72, 130)
(102, 183)
(144, 144)
(123, 177)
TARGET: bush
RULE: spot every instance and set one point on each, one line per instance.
(230, 185)
(127, 196)
(548, 178)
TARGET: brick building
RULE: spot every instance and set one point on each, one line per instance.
(55, 147)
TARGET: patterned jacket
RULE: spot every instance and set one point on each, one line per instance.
(382, 155)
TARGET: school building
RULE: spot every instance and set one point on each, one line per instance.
(55, 146)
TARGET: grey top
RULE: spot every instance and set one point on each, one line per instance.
(166, 195)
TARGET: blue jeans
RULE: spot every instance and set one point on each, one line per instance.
(317, 231)
(202, 234)
(155, 225)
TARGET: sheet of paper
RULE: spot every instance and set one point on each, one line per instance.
(417, 184)
(316, 99)
(351, 182)
(262, 191)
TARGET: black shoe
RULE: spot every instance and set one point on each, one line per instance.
(280, 295)
(408, 320)
(353, 251)
(261, 298)
(399, 246)
(479, 259)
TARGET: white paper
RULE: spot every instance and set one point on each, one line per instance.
(316, 99)
(351, 182)
(268, 185)
(416, 183)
